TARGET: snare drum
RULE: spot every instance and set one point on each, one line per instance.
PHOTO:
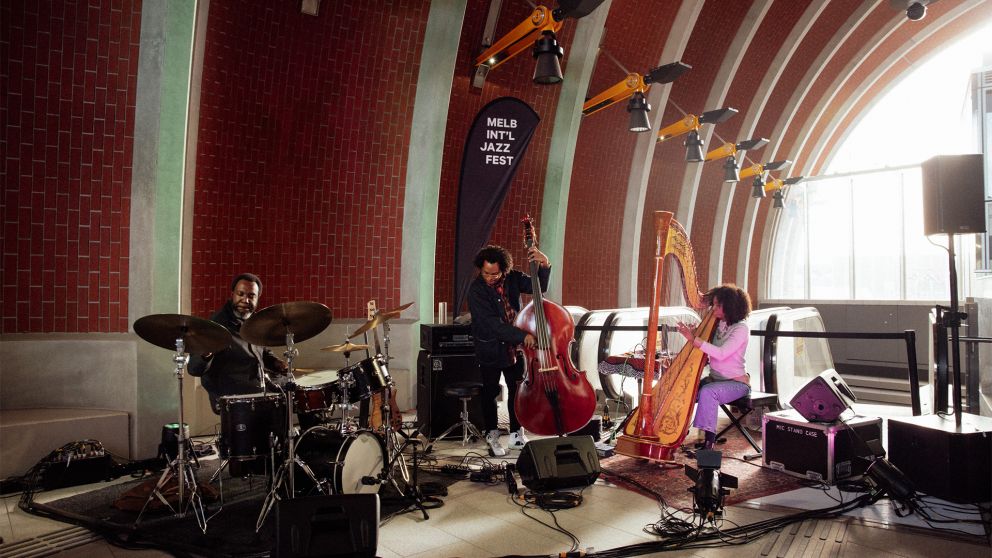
(370, 375)
(246, 422)
(317, 391)
(348, 464)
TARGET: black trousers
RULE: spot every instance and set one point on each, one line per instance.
(490, 391)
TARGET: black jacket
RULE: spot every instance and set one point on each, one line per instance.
(234, 370)
(493, 337)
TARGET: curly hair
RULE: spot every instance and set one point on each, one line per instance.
(734, 300)
(494, 254)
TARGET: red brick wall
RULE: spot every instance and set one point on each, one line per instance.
(603, 155)
(301, 160)
(512, 78)
(714, 31)
(69, 73)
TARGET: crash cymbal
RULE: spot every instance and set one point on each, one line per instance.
(198, 335)
(398, 309)
(346, 347)
(268, 327)
(371, 324)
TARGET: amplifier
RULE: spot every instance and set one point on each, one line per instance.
(84, 470)
(824, 452)
(446, 338)
(435, 411)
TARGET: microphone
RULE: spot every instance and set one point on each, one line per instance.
(369, 481)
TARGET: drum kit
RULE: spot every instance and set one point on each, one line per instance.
(333, 454)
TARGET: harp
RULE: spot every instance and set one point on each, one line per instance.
(657, 427)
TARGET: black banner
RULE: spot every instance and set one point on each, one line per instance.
(495, 145)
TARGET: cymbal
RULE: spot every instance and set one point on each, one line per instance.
(346, 347)
(379, 319)
(268, 327)
(399, 309)
(198, 335)
(304, 370)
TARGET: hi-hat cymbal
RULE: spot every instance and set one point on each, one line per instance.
(268, 327)
(198, 335)
(346, 347)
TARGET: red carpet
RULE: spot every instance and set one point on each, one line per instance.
(669, 479)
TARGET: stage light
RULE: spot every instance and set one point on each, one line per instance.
(548, 53)
(729, 150)
(690, 123)
(638, 107)
(693, 148)
(777, 187)
(538, 30)
(758, 187)
(710, 484)
(632, 86)
(758, 169)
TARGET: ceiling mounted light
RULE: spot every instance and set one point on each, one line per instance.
(758, 187)
(638, 107)
(635, 86)
(690, 123)
(777, 187)
(758, 169)
(548, 53)
(538, 30)
(729, 150)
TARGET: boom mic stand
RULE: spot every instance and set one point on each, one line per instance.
(954, 324)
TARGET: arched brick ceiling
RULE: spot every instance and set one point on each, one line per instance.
(808, 69)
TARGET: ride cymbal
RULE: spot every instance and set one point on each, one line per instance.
(346, 347)
(268, 327)
(198, 335)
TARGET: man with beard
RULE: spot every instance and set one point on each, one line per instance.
(236, 370)
(494, 301)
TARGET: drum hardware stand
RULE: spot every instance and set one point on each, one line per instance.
(180, 467)
(346, 380)
(412, 492)
(285, 470)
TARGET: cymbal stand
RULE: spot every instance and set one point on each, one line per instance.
(180, 467)
(394, 449)
(285, 473)
(346, 380)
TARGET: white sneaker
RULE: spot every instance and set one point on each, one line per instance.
(518, 439)
(495, 448)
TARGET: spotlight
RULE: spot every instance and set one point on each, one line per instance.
(548, 53)
(758, 169)
(711, 485)
(694, 148)
(758, 187)
(638, 107)
(731, 170)
(540, 27)
(916, 11)
(779, 199)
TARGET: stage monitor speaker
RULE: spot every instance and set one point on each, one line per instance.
(953, 194)
(823, 398)
(552, 463)
(339, 525)
(943, 460)
(436, 411)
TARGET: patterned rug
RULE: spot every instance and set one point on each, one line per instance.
(670, 481)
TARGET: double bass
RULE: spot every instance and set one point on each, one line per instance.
(554, 397)
(659, 424)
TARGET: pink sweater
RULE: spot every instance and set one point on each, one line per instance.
(727, 350)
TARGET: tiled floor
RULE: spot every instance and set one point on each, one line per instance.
(481, 520)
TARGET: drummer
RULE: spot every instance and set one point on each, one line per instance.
(235, 370)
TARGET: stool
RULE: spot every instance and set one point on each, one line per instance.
(464, 391)
(744, 406)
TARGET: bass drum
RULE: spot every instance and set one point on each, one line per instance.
(347, 464)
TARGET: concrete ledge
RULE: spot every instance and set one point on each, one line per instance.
(28, 435)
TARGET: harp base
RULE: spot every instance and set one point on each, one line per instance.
(644, 448)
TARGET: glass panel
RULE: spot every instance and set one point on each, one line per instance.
(926, 258)
(788, 273)
(829, 203)
(877, 236)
